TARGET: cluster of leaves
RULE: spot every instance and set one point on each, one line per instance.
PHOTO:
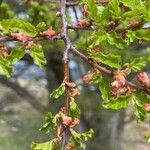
(118, 23)
(35, 50)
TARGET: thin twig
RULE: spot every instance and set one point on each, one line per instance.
(70, 4)
(35, 39)
(90, 28)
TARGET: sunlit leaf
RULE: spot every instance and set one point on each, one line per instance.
(16, 55)
(74, 109)
(18, 25)
(37, 54)
(117, 103)
(58, 92)
(51, 145)
(5, 68)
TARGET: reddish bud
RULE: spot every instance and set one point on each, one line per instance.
(70, 84)
(66, 120)
(147, 107)
(85, 10)
(75, 122)
(133, 24)
(88, 76)
(119, 81)
(83, 23)
(22, 37)
(3, 51)
(74, 92)
(58, 13)
(143, 78)
(48, 33)
(69, 146)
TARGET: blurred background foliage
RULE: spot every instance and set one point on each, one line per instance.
(24, 98)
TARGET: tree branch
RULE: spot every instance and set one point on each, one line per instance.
(103, 69)
(67, 42)
(35, 39)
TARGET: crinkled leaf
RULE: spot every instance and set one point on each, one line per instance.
(58, 92)
(5, 68)
(38, 56)
(16, 55)
(115, 7)
(118, 103)
(140, 113)
(92, 8)
(74, 109)
(138, 64)
(134, 4)
(50, 123)
(116, 40)
(18, 25)
(140, 98)
(109, 59)
(51, 145)
(104, 88)
(41, 27)
(79, 139)
(143, 34)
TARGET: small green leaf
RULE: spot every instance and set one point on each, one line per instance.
(118, 103)
(38, 56)
(5, 68)
(18, 25)
(104, 88)
(115, 7)
(41, 27)
(74, 109)
(58, 92)
(50, 123)
(138, 64)
(79, 139)
(140, 113)
(109, 59)
(143, 34)
(51, 145)
(140, 98)
(116, 40)
(134, 4)
(16, 55)
(147, 138)
(92, 8)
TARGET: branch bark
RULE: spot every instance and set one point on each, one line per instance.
(67, 42)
